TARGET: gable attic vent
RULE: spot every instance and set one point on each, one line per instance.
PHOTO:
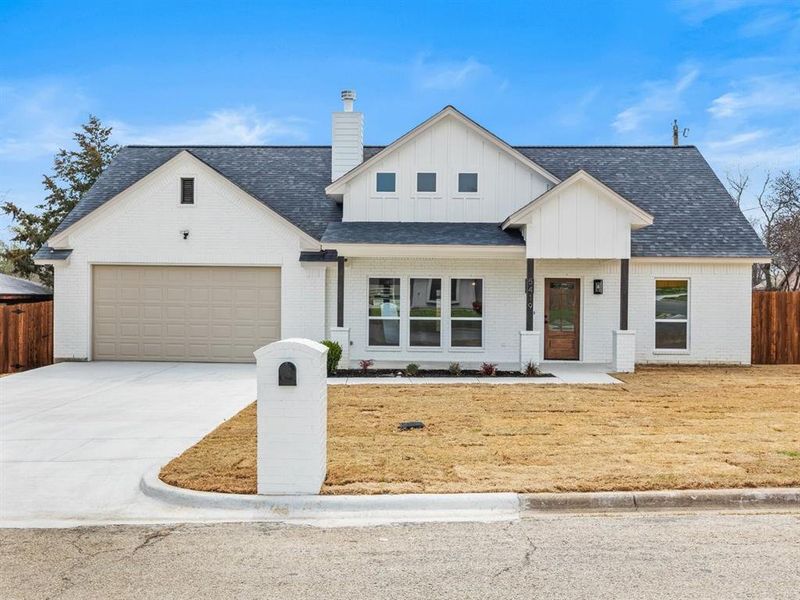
(187, 190)
(347, 145)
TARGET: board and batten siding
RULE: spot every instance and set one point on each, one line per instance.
(580, 221)
(447, 148)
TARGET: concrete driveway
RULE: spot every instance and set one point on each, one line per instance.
(75, 438)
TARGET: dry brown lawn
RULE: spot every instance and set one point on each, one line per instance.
(666, 427)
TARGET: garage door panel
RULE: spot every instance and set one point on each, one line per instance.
(184, 313)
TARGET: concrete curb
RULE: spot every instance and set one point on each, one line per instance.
(666, 499)
(359, 509)
(411, 508)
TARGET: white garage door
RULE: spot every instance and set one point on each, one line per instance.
(216, 314)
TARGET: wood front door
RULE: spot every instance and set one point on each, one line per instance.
(562, 317)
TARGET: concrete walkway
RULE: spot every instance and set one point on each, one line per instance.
(75, 438)
(563, 373)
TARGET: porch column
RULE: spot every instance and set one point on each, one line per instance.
(529, 297)
(623, 293)
(340, 291)
(340, 333)
(624, 339)
(529, 339)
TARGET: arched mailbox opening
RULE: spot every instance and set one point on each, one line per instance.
(287, 374)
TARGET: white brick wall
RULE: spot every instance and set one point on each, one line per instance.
(292, 420)
(719, 311)
(227, 227)
(503, 299)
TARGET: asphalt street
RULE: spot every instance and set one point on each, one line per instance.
(629, 555)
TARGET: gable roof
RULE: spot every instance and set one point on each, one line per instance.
(694, 216)
(693, 213)
(447, 111)
(642, 217)
(287, 179)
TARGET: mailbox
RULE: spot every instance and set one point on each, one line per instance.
(287, 374)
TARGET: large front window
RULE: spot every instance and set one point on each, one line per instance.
(425, 313)
(384, 311)
(672, 314)
(466, 313)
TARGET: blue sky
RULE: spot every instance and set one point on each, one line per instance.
(270, 73)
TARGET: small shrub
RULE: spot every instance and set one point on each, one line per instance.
(412, 370)
(488, 369)
(366, 364)
(334, 355)
(455, 369)
(531, 369)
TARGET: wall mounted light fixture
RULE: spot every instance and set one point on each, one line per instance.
(185, 234)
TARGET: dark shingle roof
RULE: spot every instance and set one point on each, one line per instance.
(694, 215)
(14, 286)
(48, 253)
(290, 180)
(382, 232)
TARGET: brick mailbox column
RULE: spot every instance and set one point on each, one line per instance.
(292, 417)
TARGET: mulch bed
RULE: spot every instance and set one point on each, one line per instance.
(429, 373)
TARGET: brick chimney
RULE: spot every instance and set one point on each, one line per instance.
(347, 147)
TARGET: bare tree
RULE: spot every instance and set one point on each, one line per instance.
(778, 202)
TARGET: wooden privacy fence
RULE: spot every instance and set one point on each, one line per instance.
(776, 328)
(26, 335)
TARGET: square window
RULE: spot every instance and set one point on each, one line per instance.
(468, 183)
(385, 182)
(425, 332)
(426, 182)
(671, 336)
(466, 334)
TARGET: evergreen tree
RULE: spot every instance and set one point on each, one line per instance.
(74, 172)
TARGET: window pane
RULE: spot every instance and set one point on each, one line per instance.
(671, 336)
(426, 298)
(466, 297)
(425, 333)
(466, 333)
(384, 332)
(468, 182)
(672, 299)
(385, 182)
(384, 297)
(426, 182)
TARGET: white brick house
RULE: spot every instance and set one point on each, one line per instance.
(447, 245)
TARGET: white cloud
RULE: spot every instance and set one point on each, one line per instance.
(659, 98)
(697, 12)
(758, 96)
(38, 117)
(448, 75)
(738, 140)
(575, 113)
(245, 126)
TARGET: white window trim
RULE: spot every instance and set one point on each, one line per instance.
(468, 194)
(438, 189)
(441, 318)
(375, 185)
(450, 318)
(398, 318)
(687, 320)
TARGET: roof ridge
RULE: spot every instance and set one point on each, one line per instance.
(620, 146)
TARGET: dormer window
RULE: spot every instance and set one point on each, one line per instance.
(187, 190)
(426, 182)
(386, 182)
(468, 183)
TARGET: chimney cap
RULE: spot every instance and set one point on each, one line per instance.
(348, 94)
